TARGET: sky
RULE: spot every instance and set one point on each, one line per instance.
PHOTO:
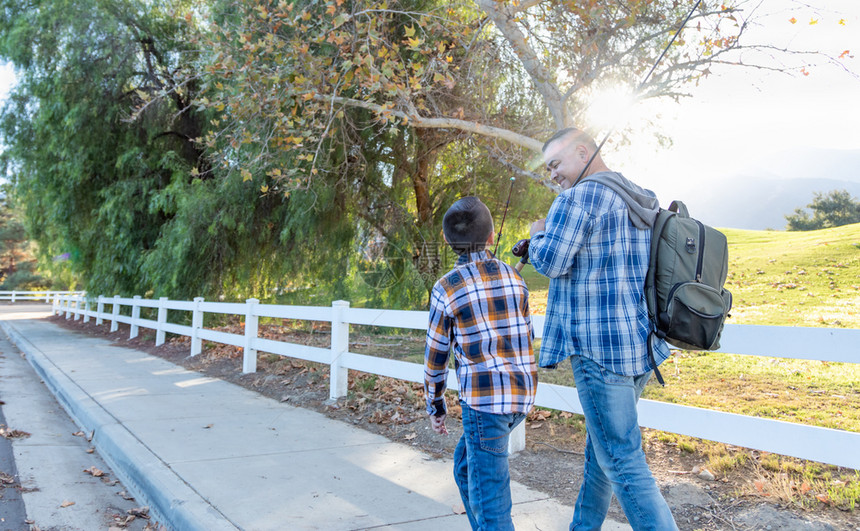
(747, 121)
(742, 121)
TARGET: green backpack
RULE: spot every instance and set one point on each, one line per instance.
(687, 302)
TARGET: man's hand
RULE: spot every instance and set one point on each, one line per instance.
(438, 424)
(537, 226)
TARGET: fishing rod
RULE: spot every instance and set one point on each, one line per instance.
(507, 204)
(521, 248)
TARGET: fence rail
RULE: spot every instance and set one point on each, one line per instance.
(47, 295)
(838, 447)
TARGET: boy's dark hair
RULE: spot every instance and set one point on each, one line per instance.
(467, 225)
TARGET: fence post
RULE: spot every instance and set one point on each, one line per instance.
(249, 358)
(339, 376)
(517, 439)
(13, 296)
(100, 308)
(162, 319)
(196, 325)
(114, 325)
(68, 306)
(86, 310)
(135, 317)
(47, 296)
(77, 311)
(58, 308)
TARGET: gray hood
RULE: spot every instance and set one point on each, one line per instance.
(642, 204)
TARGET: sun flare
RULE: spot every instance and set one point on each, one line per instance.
(610, 108)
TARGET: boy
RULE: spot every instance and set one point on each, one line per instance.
(479, 310)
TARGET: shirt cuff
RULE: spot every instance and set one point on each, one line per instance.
(437, 408)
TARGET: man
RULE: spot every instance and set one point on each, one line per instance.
(594, 246)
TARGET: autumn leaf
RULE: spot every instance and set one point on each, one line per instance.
(410, 31)
(246, 175)
(140, 512)
(844, 54)
(66, 503)
(414, 43)
(841, 21)
(793, 20)
(823, 498)
(410, 436)
(94, 472)
(813, 21)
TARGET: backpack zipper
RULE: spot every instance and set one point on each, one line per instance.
(701, 261)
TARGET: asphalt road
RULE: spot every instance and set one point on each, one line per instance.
(50, 488)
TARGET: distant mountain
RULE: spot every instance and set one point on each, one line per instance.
(762, 196)
(757, 203)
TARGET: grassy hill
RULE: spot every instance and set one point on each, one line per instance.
(780, 278)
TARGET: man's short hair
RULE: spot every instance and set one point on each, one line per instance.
(467, 225)
(579, 134)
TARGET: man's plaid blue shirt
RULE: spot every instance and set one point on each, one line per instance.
(480, 312)
(597, 261)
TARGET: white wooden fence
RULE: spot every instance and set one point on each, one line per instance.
(48, 295)
(825, 445)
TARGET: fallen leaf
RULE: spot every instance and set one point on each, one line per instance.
(66, 503)
(206, 427)
(410, 436)
(536, 426)
(90, 450)
(805, 487)
(126, 496)
(458, 509)
(95, 472)
(79, 434)
(140, 512)
(823, 498)
(12, 434)
(759, 485)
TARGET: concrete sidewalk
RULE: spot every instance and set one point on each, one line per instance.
(206, 454)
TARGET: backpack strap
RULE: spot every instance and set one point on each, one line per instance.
(653, 361)
(650, 277)
(663, 216)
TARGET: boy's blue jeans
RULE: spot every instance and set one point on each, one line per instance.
(614, 459)
(481, 468)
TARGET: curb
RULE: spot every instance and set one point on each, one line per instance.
(172, 501)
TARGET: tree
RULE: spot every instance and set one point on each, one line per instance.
(18, 268)
(833, 209)
(245, 148)
(377, 94)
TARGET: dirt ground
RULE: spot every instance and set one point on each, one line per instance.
(551, 463)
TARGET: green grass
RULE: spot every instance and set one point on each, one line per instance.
(795, 278)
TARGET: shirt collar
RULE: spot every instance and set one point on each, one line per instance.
(474, 257)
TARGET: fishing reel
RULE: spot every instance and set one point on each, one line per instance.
(521, 249)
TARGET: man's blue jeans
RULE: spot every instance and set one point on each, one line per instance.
(614, 459)
(481, 468)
